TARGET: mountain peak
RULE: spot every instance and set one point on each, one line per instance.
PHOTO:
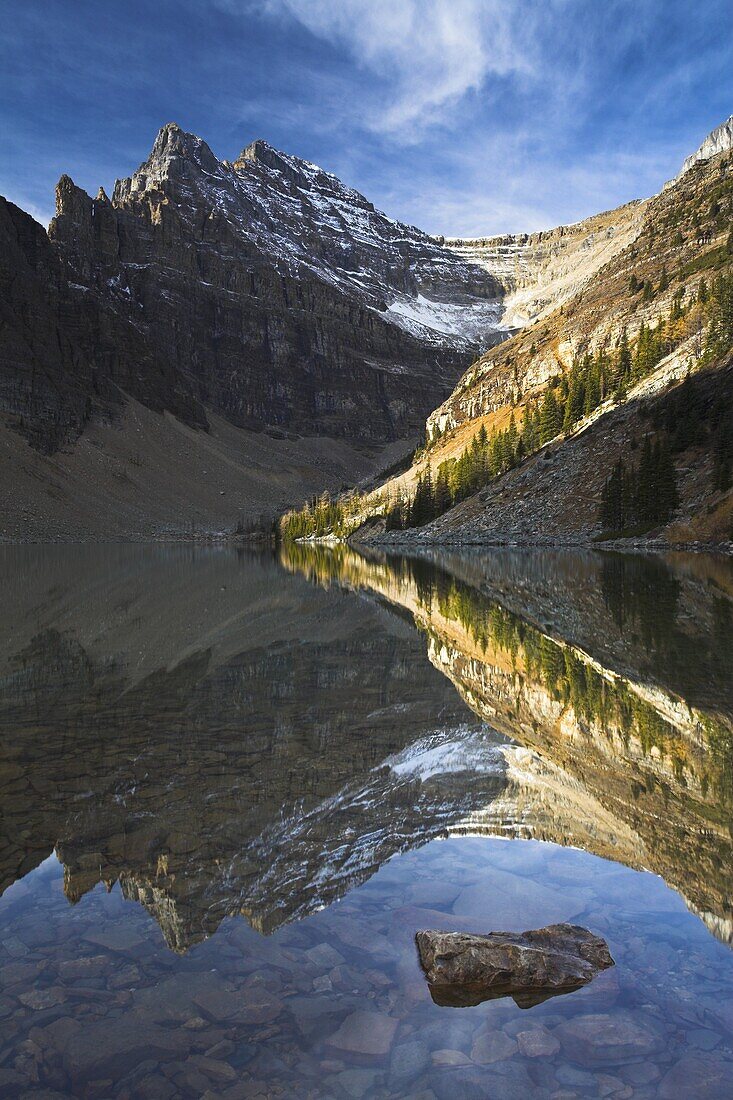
(262, 152)
(719, 140)
(293, 168)
(174, 143)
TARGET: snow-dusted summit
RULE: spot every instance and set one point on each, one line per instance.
(310, 222)
(262, 290)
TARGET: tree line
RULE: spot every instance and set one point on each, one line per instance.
(594, 377)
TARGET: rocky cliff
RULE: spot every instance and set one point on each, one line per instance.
(263, 293)
(541, 271)
(720, 140)
(276, 293)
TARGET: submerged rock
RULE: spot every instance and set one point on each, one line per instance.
(464, 969)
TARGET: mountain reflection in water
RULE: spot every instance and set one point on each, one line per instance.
(222, 737)
(191, 735)
(612, 676)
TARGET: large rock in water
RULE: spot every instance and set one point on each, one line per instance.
(464, 969)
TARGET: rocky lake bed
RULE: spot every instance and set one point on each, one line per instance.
(95, 1004)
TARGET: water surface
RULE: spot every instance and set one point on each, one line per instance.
(233, 787)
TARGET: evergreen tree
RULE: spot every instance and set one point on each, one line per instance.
(512, 438)
(592, 389)
(722, 417)
(421, 506)
(394, 519)
(644, 482)
(667, 499)
(443, 500)
(623, 364)
(641, 497)
(575, 403)
(550, 419)
(677, 310)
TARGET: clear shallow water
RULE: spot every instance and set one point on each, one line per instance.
(257, 788)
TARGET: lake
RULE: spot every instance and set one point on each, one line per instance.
(234, 785)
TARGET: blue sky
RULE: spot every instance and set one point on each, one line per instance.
(460, 116)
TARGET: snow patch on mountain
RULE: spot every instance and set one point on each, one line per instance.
(465, 750)
(471, 320)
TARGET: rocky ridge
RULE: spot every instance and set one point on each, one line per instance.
(720, 140)
(262, 292)
(266, 291)
(540, 271)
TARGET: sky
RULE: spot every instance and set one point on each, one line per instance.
(463, 117)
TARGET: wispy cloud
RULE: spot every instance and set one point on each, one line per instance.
(427, 54)
(513, 186)
(461, 116)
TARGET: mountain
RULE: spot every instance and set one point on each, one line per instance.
(608, 414)
(262, 296)
(224, 340)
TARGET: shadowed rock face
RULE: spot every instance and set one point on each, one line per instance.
(464, 969)
(263, 290)
(65, 354)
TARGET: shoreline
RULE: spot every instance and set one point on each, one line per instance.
(400, 543)
(544, 542)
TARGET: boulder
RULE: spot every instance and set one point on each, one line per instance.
(465, 969)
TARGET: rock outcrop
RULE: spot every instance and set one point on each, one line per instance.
(464, 969)
(720, 140)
